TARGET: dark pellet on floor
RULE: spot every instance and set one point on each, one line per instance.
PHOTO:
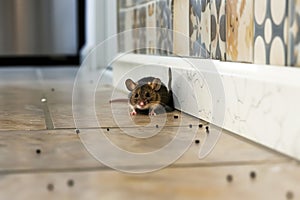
(107, 129)
(207, 129)
(252, 175)
(197, 141)
(70, 183)
(191, 126)
(156, 126)
(175, 116)
(289, 195)
(200, 125)
(229, 178)
(77, 131)
(38, 151)
(50, 187)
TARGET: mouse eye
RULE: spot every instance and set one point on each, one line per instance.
(147, 94)
(136, 95)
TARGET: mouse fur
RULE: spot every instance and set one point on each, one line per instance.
(150, 95)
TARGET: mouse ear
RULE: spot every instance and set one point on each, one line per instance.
(130, 84)
(156, 84)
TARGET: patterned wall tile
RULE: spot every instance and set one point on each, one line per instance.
(121, 28)
(199, 28)
(164, 23)
(294, 34)
(126, 3)
(151, 31)
(125, 23)
(139, 31)
(218, 30)
(240, 30)
(135, 30)
(181, 28)
(129, 3)
(271, 32)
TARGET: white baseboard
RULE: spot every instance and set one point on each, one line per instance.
(261, 103)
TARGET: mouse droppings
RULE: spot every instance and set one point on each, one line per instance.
(207, 129)
(50, 187)
(229, 178)
(38, 151)
(70, 183)
(253, 175)
(197, 141)
(289, 195)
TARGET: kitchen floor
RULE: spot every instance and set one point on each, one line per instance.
(42, 156)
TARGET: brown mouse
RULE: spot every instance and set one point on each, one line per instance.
(150, 95)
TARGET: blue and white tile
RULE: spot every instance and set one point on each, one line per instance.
(294, 34)
(151, 28)
(121, 29)
(200, 28)
(218, 29)
(271, 32)
(141, 35)
(164, 23)
(125, 26)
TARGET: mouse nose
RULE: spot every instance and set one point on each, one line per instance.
(142, 103)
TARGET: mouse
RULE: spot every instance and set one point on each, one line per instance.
(150, 95)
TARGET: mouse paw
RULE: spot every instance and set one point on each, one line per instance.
(152, 113)
(133, 113)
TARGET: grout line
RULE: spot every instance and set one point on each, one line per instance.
(47, 115)
(231, 163)
(259, 145)
(48, 118)
(91, 128)
(173, 166)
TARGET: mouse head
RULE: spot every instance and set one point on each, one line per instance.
(155, 84)
(143, 94)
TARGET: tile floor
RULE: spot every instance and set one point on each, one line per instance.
(42, 157)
